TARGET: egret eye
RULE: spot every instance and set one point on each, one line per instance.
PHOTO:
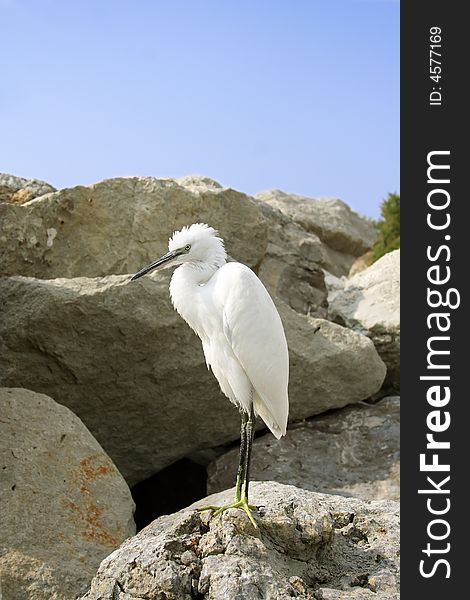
(188, 247)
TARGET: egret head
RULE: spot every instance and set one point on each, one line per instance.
(197, 244)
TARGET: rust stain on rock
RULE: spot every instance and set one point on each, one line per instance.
(92, 472)
(84, 511)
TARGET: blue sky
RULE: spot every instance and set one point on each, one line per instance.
(300, 95)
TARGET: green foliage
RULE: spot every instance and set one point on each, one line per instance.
(388, 227)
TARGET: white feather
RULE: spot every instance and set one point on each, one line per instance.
(242, 335)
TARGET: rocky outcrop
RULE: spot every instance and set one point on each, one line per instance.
(330, 219)
(351, 452)
(199, 183)
(369, 303)
(64, 505)
(74, 327)
(118, 225)
(309, 546)
(18, 190)
(292, 265)
(301, 247)
(116, 353)
(120, 357)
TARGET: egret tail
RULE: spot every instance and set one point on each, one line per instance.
(277, 428)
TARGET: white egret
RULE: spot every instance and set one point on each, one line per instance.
(241, 332)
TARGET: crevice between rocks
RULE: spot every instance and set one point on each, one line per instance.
(168, 491)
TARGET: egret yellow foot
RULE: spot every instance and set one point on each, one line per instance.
(242, 504)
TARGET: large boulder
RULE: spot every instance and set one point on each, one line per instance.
(353, 451)
(301, 247)
(118, 225)
(369, 303)
(64, 505)
(292, 267)
(121, 358)
(331, 219)
(308, 546)
(18, 190)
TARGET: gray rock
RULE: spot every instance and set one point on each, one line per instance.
(288, 241)
(120, 357)
(370, 303)
(331, 219)
(64, 504)
(307, 545)
(198, 183)
(351, 452)
(291, 266)
(333, 283)
(330, 366)
(295, 260)
(118, 225)
(19, 190)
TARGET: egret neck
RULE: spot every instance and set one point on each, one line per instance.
(185, 288)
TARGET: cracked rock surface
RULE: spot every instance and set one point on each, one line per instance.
(307, 545)
(369, 302)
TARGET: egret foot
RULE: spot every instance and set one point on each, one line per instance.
(242, 504)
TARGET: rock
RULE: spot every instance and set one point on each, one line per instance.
(120, 357)
(333, 283)
(18, 190)
(119, 225)
(65, 506)
(330, 366)
(309, 546)
(291, 266)
(370, 303)
(295, 261)
(332, 220)
(351, 452)
(289, 242)
(199, 183)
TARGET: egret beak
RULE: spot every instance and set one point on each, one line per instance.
(157, 263)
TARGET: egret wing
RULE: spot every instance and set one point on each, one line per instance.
(253, 327)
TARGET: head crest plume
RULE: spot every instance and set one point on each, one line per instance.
(196, 231)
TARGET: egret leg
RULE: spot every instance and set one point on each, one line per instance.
(242, 483)
(243, 450)
(250, 433)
